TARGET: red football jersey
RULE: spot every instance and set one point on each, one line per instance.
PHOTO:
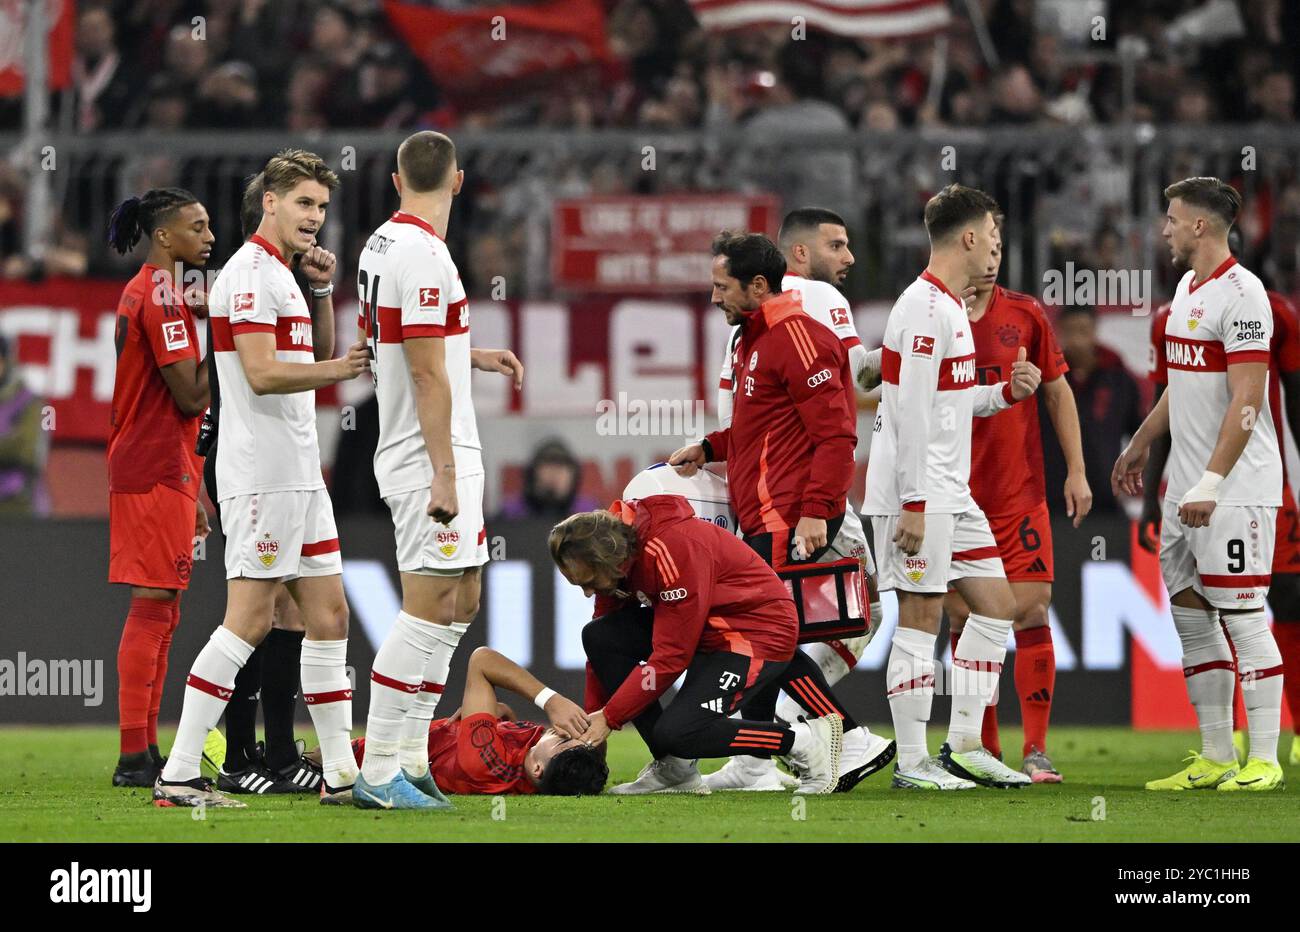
(481, 755)
(1006, 468)
(151, 441)
(1284, 355)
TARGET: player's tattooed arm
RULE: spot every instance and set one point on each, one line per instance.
(1059, 401)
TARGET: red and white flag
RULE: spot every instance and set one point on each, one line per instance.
(60, 23)
(871, 19)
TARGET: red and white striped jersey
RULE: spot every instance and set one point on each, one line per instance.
(408, 287)
(824, 304)
(265, 443)
(1225, 319)
(920, 447)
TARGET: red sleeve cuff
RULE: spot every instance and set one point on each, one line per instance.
(915, 506)
(817, 509)
(1006, 393)
(1242, 356)
(414, 331)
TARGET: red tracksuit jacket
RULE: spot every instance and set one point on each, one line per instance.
(710, 593)
(789, 449)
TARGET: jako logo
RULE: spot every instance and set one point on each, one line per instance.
(105, 885)
(819, 378)
(672, 595)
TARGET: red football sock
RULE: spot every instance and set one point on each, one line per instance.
(160, 671)
(595, 697)
(1287, 635)
(1035, 681)
(147, 623)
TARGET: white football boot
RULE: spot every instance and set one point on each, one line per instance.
(818, 748)
(755, 774)
(928, 775)
(864, 754)
(668, 775)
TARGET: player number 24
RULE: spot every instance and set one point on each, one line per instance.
(368, 294)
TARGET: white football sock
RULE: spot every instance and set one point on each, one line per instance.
(395, 679)
(207, 690)
(1259, 663)
(1207, 667)
(328, 694)
(909, 681)
(413, 746)
(976, 668)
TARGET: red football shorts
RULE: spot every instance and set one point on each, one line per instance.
(1286, 548)
(151, 538)
(1025, 544)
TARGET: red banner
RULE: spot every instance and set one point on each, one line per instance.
(60, 17)
(487, 52)
(62, 330)
(648, 244)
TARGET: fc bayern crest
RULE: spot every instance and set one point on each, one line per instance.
(753, 361)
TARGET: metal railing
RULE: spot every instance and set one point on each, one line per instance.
(1058, 186)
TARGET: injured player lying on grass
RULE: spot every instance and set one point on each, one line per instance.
(483, 749)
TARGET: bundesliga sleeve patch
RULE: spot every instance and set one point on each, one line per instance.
(243, 304)
(923, 346)
(840, 317)
(175, 336)
(428, 298)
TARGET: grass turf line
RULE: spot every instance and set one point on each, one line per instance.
(55, 786)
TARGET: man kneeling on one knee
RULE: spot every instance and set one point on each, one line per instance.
(685, 596)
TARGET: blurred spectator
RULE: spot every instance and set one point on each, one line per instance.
(23, 442)
(550, 486)
(104, 92)
(186, 58)
(1110, 410)
(228, 98)
(1273, 98)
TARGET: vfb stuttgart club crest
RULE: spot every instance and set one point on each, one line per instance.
(1194, 318)
(267, 550)
(915, 567)
(448, 542)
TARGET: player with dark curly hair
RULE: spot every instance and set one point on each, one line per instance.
(482, 749)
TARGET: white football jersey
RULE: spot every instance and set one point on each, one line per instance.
(706, 492)
(265, 443)
(408, 287)
(920, 447)
(824, 304)
(1224, 320)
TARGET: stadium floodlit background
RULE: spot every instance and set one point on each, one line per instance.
(604, 143)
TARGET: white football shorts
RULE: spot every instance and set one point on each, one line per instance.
(425, 546)
(1230, 563)
(281, 535)
(955, 546)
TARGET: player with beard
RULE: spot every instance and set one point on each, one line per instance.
(1284, 589)
(789, 454)
(1006, 480)
(1225, 486)
(159, 390)
(815, 244)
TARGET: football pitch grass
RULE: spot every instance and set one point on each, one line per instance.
(55, 786)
